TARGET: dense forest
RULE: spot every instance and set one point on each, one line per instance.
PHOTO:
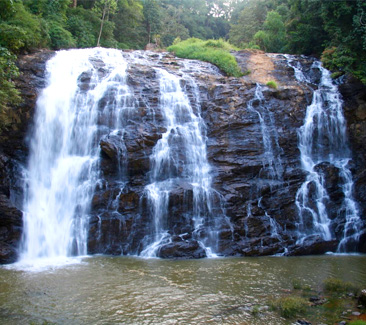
(334, 30)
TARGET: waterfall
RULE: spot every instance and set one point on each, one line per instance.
(64, 151)
(272, 151)
(322, 140)
(179, 159)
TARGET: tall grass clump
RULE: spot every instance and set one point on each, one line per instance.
(272, 84)
(290, 306)
(333, 285)
(216, 52)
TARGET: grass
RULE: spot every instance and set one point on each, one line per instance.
(290, 306)
(357, 322)
(329, 304)
(333, 285)
(216, 52)
(272, 84)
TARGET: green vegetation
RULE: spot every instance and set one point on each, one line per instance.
(332, 30)
(357, 322)
(8, 93)
(272, 84)
(333, 285)
(290, 306)
(214, 51)
(337, 300)
(255, 310)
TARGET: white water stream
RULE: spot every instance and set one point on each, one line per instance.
(322, 138)
(180, 159)
(63, 165)
(272, 163)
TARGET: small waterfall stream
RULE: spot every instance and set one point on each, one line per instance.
(179, 159)
(272, 151)
(322, 143)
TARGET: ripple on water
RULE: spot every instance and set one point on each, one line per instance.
(102, 290)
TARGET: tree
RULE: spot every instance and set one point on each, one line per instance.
(249, 21)
(273, 37)
(128, 20)
(173, 28)
(105, 8)
(152, 15)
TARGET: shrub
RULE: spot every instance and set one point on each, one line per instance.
(82, 31)
(84, 25)
(272, 84)
(214, 51)
(8, 93)
(60, 37)
(290, 306)
(338, 286)
(22, 31)
(342, 59)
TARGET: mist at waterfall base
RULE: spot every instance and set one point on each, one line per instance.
(72, 120)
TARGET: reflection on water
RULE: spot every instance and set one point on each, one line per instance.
(110, 290)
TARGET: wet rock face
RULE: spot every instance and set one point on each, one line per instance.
(14, 151)
(182, 249)
(257, 191)
(354, 97)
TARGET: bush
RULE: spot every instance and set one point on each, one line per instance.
(12, 37)
(84, 25)
(8, 93)
(333, 285)
(342, 59)
(290, 306)
(214, 51)
(22, 31)
(60, 37)
(272, 84)
(357, 322)
(82, 31)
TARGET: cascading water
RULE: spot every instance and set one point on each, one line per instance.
(179, 159)
(272, 150)
(63, 164)
(322, 139)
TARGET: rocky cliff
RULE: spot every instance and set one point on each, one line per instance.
(252, 147)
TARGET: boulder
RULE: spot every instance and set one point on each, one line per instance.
(313, 245)
(182, 249)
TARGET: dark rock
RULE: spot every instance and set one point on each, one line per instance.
(8, 254)
(362, 298)
(302, 322)
(182, 249)
(317, 301)
(313, 245)
(362, 242)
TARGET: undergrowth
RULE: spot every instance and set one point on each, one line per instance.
(335, 301)
(216, 52)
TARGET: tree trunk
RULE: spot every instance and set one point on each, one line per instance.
(74, 3)
(102, 22)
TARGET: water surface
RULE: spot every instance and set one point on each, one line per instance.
(127, 290)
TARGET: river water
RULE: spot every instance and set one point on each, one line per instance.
(129, 290)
